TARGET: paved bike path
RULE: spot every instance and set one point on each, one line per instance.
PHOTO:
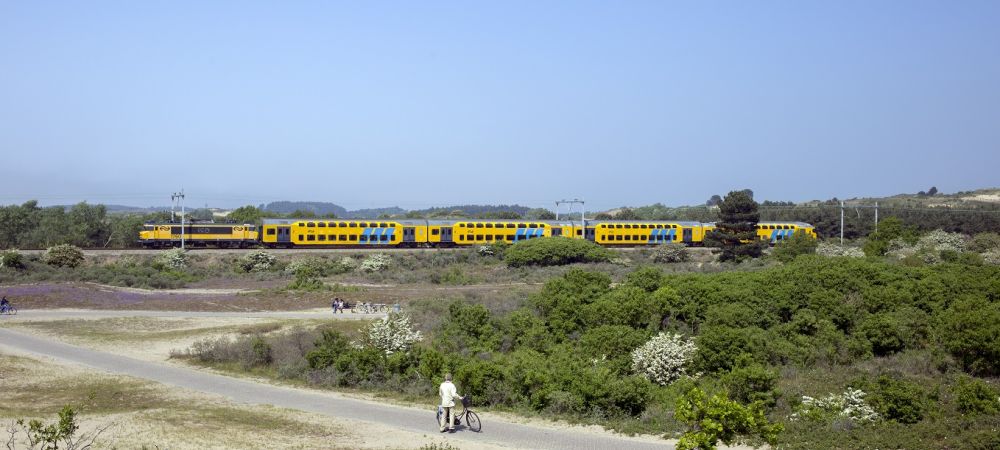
(494, 431)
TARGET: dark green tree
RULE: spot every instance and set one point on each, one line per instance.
(626, 213)
(736, 230)
(245, 214)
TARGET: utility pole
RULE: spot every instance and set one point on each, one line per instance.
(841, 223)
(583, 219)
(179, 196)
(876, 218)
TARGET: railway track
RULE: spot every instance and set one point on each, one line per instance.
(293, 251)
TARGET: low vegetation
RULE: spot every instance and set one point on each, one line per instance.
(555, 251)
(882, 345)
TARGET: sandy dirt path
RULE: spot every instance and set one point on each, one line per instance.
(62, 314)
(495, 430)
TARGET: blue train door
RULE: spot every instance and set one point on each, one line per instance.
(687, 235)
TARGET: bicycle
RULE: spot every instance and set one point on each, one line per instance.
(9, 310)
(471, 418)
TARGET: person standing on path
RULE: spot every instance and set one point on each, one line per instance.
(448, 396)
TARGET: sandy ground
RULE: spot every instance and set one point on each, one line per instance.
(175, 418)
(399, 418)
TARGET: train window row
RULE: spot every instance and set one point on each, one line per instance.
(344, 238)
(629, 237)
(492, 238)
(641, 226)
(775, 227)
(499, 225)
(345, 224)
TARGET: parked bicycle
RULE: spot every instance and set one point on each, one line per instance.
(471, 418)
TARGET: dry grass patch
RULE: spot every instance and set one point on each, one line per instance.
(150, 415)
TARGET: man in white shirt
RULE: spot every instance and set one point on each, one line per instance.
(448, 396)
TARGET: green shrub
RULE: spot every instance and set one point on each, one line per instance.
(12, 259)
(719, 348)
(720, 419)
(800, 243)
(613, 343)
(975, 396)
(895, 399)
(555, 251)
(64, 255)
(896, 331)
(753, 383)
(970, 331)
(306, 279)
(984, 242)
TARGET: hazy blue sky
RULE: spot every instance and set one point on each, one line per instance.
(417, 104)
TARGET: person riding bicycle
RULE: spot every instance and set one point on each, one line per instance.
(4, 304)
(448, 396)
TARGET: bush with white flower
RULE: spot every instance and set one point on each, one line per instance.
(63, 255)
(663, 358)
(376, 263)
(825, 249)
(392, 333)
(175, 258)
(257, 261)
(940, 240)
(850, 406)
(992, 257)
(670, 253)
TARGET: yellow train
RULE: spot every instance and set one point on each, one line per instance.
(163, 235)
(344, 233)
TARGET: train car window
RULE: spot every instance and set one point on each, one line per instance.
(343, 237)
(321, 224)
(489, 225)
(435, 231)
(521, 225)
(479, 237)
(489, 238)
(354, 238)
(270, 231)
(311, 225)
(301, 238)
(383, 225)
(461, 237)
(354, 224)
(618, 237)
(333, 237)
(511, 225)
(383, 238)
(322, 237)
(479, 225)
(311, 237)
(532, 225)
(510, 237)
(342, 224)
(579, 232)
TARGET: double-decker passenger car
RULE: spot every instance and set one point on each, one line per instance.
(349, 233)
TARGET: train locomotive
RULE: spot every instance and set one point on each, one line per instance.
(364, 233)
